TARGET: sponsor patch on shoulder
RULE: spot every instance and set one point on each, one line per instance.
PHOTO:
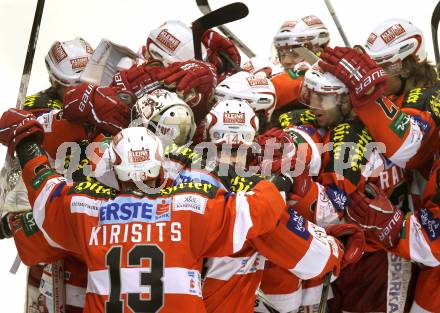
(430, 223)
(297, 224)
(190, 202)
(400, 124)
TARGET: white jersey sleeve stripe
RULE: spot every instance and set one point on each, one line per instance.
(316, 258)
(410, 147)
(177, 280)
(420, 250)
(243, 221)
(226, 267)
(39, 208)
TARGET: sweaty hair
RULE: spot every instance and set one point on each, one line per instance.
(424, 74)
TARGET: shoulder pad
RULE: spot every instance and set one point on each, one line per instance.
(424, 99)
(207, 190)
(296, 118)
(43, 100)
(94, 189)
(356, 136)
(183, 154)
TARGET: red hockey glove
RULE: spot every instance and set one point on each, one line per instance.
(377, 215)
(365, 80)
(283, 147)
(194, 82)
(16, 125)
(98, 106)
(215, 45)
(138, 77)
(352, 236)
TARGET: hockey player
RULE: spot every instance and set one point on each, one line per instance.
(191, 220)
(308, 32)
(413, 236)
(257, 90)
(173, 42)
(231, 282)
(365, 163)
(64, 62)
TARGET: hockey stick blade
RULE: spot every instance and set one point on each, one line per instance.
(204, 7)
(435, 19)
(228, 13)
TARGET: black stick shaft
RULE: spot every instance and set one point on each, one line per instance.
(30, 54)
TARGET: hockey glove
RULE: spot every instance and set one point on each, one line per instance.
(194, 82)
(374, 212)
(5, 229)
(99, 106)
(16, 125)
(353, 239)
(365, 80)
(215, 45)
(138, 78)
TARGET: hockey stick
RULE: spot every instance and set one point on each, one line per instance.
(435, 19)
(338, 24)
(324, 295)
(223, 15)
(206, 9)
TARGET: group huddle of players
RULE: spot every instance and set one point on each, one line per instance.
(217, 186)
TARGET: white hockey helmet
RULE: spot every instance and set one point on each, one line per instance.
(168, 114)
(66, 60)
(232, 122)
(258, 65)
(258, 91)
(322, 83)
(394, 40)
(308, 29)
(171, 42)
(136, 154)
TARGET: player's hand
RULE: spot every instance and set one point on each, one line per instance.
(365, 80)
(353, 239)
(138, 78)
(16, 125)
(101, 107)
(374, 212)
(194, 81)
(215, 45)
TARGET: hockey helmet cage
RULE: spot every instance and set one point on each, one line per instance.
(66, 60)
(168, 114)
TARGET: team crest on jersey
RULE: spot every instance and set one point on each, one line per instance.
(392, 33)
(430, 223)
(168, 40)
(297, 224)
(123, 210)
(138, 156)
(234, 118)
